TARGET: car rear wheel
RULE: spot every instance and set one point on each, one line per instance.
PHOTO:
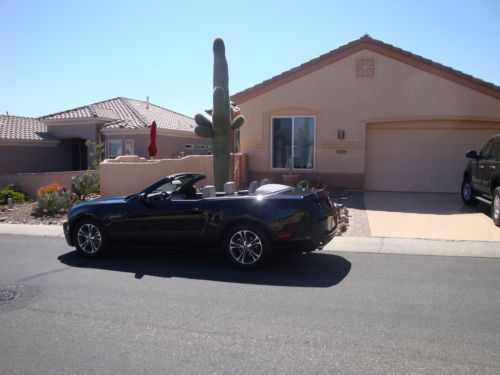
(247, 246)
(467, 194)
(495, 207)
(89, 238)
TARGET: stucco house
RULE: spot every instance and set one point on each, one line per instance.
(368, 116)
(56, 142)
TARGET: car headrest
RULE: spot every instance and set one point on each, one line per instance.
(208, 191)
(252, 187)
(229, 188)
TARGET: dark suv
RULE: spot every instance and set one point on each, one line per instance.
(482, 177)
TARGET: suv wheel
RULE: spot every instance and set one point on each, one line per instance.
(467, 194)
(495, 207)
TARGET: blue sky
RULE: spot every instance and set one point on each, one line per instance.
(56, 55)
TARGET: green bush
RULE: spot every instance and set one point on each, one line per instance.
(85, 184)
(58, 202)
(12, 192)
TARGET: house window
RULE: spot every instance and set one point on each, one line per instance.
(189, 146)
(293, 140)
(114, 148)
(202, 147)
(129, 147)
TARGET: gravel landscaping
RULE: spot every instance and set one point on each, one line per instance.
(21, 214)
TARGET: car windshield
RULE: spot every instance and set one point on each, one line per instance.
(171, 185)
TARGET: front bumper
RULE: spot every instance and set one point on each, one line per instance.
(67, 234)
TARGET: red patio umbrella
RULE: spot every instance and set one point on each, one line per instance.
(152, 141)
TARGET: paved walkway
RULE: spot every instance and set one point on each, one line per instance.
(437, 216)
(338, 244)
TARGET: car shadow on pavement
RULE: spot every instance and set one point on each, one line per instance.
(316, 270)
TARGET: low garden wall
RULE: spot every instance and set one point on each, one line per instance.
(31, 182)
(130, 174)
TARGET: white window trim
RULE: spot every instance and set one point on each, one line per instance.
(189, 146)
(116, 141)
(132, 141)
(272, 137)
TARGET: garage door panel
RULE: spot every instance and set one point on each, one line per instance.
(418, 167)
(415, 151)
(428, 135)
(423, 159)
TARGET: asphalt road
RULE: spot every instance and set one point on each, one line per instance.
(185, 312)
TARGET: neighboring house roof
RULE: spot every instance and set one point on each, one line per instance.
(366, 42)
(17, 128)
(124, 113)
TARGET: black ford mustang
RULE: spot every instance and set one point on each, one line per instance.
(249, 227)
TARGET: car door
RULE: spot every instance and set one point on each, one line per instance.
(484, 163)
(177, 218)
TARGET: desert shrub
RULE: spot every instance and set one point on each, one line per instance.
(52, 188)
(11, 191)
(85, 184)
(303, 184)
(57, 202)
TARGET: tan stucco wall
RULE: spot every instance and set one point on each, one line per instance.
(130, 174)
(339, 100)
(168, 146)
(31, 182)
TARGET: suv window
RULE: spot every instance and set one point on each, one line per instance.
(486, 150)
(495, 152)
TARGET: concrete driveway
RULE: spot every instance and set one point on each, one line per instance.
(429, 216)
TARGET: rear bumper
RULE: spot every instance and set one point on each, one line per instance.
(315, 237)
(67, 234)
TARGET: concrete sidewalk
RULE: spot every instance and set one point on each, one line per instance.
(386, 245)
(339, 244)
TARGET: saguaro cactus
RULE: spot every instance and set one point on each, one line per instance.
(219, 129)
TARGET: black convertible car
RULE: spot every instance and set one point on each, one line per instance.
(248, 226)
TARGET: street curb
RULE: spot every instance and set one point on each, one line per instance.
(32, 230)
(378, 245)
(408, 246)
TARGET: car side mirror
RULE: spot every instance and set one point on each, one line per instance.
(143, 197)
(472, 155)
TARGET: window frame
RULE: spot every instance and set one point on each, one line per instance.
(109, 142)
(189, 146)
(133, 146)
(314, 117)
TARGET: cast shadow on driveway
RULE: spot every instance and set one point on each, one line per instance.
(315, 270)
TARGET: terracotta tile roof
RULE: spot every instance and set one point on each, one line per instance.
(366, 42)
(14, 128)
(127, 113)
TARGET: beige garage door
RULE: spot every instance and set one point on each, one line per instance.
(421, 156)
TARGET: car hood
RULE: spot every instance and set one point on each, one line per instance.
(111, 200)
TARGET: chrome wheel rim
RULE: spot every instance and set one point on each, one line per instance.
(466, 191)
(245, 247)
(496, 207)
(89, 238)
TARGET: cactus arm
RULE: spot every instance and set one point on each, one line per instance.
(204, 128)
(238, 122)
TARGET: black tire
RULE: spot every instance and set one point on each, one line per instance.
(495, 207)
(467, 193)
(247, 246)
(89, 238)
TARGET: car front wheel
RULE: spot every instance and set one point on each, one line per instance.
(247, 246)
(89, 238)
(467, 194)
(495, 207)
